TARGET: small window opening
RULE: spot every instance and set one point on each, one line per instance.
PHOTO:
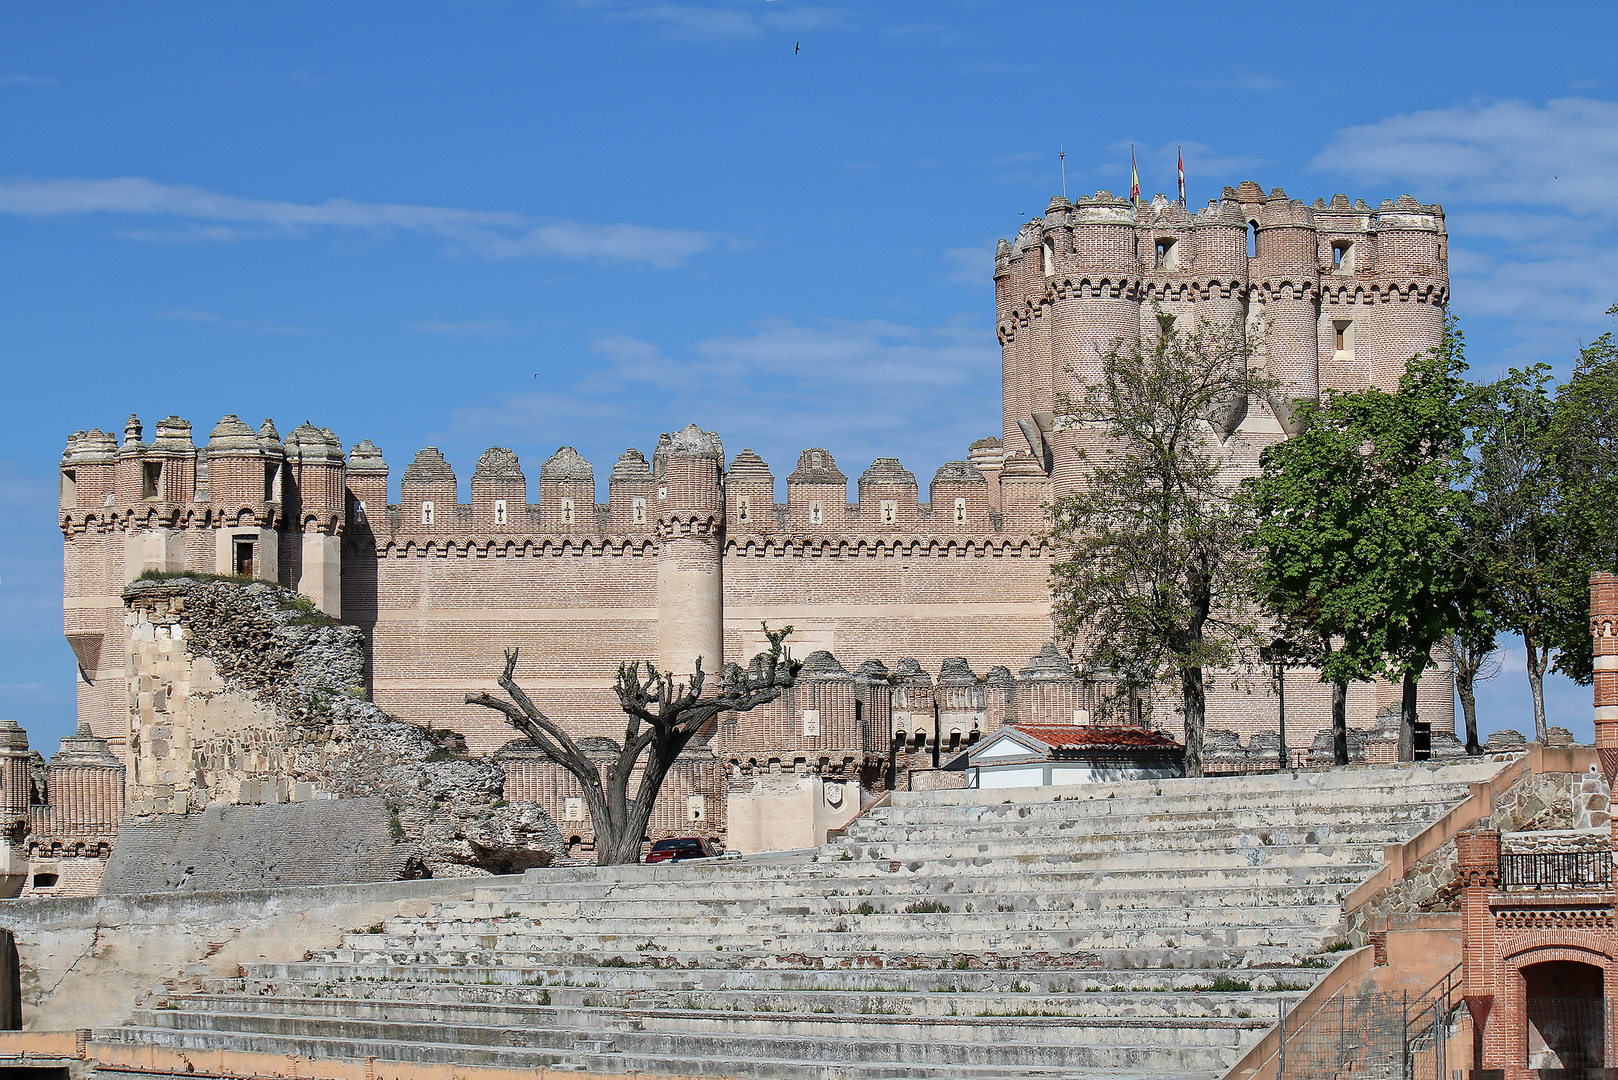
(45, 881)
(955, 740)
(1343, 335)
(960, 510)
(1048, 257)
(890, 511)
(244, 562)
(426, 513)
(637, 511)
(743, 507)
(151, 479)
(1252, 239)
(814, 512)
(567, 511)
(663, 492)
(499, 511)
(921, 740)
(1168, 257)
(270, 478)
(70, 487)
(1342, 256)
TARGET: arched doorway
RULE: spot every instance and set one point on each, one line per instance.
(1565, 1013)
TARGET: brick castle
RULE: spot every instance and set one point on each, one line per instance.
(909, 601)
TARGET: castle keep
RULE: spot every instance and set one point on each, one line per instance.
(920, 611)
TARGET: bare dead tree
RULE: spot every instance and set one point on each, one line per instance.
(664, 715)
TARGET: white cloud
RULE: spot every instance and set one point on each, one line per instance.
(971, 265)
(492, 234)
(1242, 78)
(1531, 199)
(721, 21)
(238, 325)
(861, 388)
(487, 328)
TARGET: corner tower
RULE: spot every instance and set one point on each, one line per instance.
(1343, 296)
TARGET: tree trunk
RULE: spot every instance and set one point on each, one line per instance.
(1537, 661)
(1466, 687)
(1407, 719)
(1339, 723)
(1196, 705)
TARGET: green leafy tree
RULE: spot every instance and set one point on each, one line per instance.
(1472, 654)
(1584, 441)
(1531, 569)
(1158, 545)
(1361, 524)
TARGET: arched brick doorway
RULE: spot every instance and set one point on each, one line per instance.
(1564, 1014)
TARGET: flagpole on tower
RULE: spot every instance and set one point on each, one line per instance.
(1180, 157)
(1061, 156)
(1134, 179)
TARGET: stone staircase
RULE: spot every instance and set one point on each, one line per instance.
(1131, 930)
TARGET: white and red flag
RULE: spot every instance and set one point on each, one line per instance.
(1181, 155)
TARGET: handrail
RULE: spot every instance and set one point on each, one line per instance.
(1258, 1062)
(837, 833)
(1397, 859)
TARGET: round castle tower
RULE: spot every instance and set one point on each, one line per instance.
(690, 531)
(1342, 295)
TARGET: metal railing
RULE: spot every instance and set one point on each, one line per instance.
(1378, 1036)
(1555, 869)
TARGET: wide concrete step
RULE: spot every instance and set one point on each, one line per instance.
(1175, 1042)
(592, 1056)
(1139, 798)
(1183, 845)
(390, 1001)
(1427, 805)
(918, 915)
(503, 979)
(968, 878)
(782, 904)
(1167, 952)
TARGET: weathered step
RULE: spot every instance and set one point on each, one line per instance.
(948, 1001)
(719, 979)
(1046, 1041)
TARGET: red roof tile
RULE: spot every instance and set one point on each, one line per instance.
(1076, 737)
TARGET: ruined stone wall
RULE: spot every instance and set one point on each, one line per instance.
(243, 694)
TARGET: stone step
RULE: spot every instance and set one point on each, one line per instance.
(1143, 954)
(502, 978)
(1146, 839)
(1141, 797)
(947, 1000)
(738, 903)
(595, 1058)
(1429, 803)
(968, 878)
(1177, 1042)
(937, 933)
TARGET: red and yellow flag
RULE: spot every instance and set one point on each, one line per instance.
(1134, 178)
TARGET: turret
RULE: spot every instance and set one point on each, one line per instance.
(750, 495)
(631, 492)
(690, 531)
(367, 482)
(1285, 277)
(988, 457)
(959, 496)
(888, 496)
(427, 491)
(87, 470)
(961, 716)
(817, 494)
(85, 785)
(499, 492)
(315, 510)
(16, 773)
(567, 492)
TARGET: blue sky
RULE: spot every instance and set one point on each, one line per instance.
(535, 224)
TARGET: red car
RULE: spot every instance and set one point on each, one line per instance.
(680, 848)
